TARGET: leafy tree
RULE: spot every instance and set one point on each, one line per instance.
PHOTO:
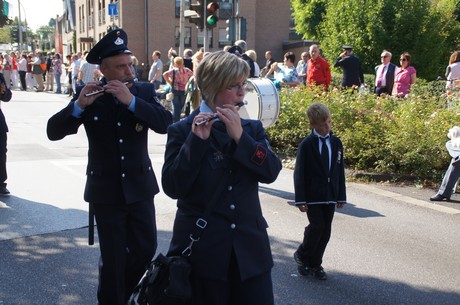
(425, 28)
(5, 35)
(52, 23)
(308, 16)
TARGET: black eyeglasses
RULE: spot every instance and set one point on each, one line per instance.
(385, 56)
(402, 59)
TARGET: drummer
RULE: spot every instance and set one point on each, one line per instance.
(286, 74)
(219, 164)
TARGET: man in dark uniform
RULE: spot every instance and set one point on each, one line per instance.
(351, 66)
(5, 96)
(120, 182)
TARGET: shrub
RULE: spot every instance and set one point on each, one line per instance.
(380, 134)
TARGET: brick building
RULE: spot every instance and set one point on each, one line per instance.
(154, 25)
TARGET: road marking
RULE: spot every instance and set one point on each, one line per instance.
(406, 199)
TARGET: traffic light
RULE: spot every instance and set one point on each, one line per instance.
(15, 34)
(230, 30)
(211, 15)
(196, 16)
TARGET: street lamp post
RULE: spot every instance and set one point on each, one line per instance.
(19, 27)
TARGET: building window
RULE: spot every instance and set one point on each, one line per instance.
(225, 9)
(223, 41)
(200, 39)
(187, 36)
(177, 8)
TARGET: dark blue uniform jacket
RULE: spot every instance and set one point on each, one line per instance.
(218, 172)
(313, 183)
(119, 168)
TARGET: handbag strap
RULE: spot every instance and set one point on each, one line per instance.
(201, 222)
(174, 78)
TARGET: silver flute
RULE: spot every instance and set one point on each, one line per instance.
(102, 90)
(214, 116)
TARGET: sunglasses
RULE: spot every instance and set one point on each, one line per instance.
(402, 59)
(384, 56)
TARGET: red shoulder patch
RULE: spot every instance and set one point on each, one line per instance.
(259, 155)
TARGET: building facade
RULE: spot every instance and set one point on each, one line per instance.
(155, 25)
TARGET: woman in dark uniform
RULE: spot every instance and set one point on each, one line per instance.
(220, 163)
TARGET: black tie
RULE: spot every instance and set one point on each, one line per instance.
(325, 154)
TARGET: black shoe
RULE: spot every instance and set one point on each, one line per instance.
(439, 197)
(301, 266)
(319, 273)
(4, 191)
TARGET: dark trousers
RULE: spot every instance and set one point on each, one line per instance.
(127, 239)
(22, 78)
(3, 150)
(382, 90)
(317, 234)
(257, 290)
(178, 103)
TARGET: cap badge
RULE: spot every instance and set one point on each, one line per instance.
(119, 41)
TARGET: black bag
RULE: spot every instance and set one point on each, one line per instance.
(166, 282)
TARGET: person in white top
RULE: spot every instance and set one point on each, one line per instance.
(22, 70)
(453, 70)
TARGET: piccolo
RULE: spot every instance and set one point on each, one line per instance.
(214, 116)
(103, 89)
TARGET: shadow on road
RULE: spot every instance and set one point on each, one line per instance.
(21, 217)
(343, 288)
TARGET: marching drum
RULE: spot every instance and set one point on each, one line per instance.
(263, 102)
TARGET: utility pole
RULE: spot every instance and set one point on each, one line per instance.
(181, 28)
(205, 29)
(237, 21)
(19, 27)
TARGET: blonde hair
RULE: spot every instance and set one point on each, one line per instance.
(197, 58)
(318, 113)
(178, 61)
(252, 54)
(217, 71)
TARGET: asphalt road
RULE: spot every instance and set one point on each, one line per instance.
(390, 245)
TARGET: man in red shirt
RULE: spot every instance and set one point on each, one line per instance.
(318, 71)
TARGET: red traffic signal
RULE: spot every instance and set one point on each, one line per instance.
(213, 7)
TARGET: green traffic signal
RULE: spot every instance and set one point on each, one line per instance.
(212, 20)
(211, 15)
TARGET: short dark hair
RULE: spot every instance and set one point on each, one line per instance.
(290, 56)
(406, 55)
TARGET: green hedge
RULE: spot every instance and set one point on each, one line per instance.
(380, 134)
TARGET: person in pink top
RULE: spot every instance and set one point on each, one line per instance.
(405, 76)
(177, 78)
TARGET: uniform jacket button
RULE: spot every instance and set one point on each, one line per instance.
(233, 226)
